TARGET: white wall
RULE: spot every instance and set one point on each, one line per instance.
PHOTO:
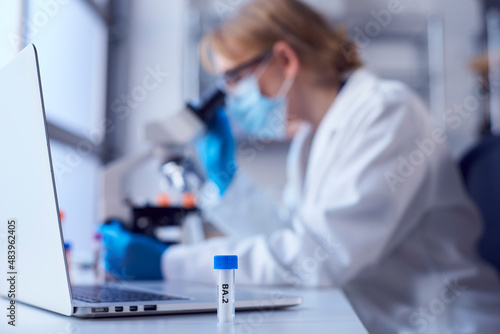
(462, 26)
(156, 44)
(10, 30)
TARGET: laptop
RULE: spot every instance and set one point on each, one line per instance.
(30, 229)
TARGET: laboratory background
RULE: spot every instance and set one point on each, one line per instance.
(115, 71)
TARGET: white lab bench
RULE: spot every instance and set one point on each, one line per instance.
(322, 311)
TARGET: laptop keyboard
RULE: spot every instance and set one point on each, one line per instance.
(100, 294)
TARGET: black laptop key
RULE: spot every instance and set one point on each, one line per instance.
(101, 294)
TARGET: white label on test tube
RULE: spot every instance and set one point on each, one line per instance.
(225, 307)
(225, 287)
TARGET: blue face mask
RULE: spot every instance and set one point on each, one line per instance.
(259, 115)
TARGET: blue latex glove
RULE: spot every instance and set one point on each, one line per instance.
(131, 256)
(216, 151)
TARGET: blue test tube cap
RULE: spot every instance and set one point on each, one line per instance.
(226, 262)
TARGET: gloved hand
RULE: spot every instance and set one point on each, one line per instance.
(216, 151)
(131, 256)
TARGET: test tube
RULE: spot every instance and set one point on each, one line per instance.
(226, 265)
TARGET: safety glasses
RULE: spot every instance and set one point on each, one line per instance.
(230, 78)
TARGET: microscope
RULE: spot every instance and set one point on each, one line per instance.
(168, 220)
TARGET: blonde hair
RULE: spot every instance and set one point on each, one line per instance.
(258, 25)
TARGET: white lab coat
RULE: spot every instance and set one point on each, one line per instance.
(374, 204)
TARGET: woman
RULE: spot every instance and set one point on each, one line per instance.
(373, 203)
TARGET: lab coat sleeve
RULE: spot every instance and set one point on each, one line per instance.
(244, 209)
(348, 224)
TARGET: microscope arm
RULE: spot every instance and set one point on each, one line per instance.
(113, 200)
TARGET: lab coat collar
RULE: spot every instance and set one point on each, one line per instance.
(359, 84)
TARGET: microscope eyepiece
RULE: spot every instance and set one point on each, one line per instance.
(209, 103)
